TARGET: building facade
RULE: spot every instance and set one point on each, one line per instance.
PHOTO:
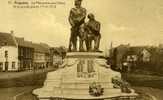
(8, 52)
(25, 54)
(56, 56)
(138, 57)
(146, 55)
(57, 60)
(18, 54)
(41, 56)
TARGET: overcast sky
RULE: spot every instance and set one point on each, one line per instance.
(138, 22)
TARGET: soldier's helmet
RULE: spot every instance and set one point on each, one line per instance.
(91, 16)
(78, 2)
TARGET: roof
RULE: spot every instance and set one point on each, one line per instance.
(136, 50)
(58, 50)
(24, 43)
(39, 47)
(7, 39)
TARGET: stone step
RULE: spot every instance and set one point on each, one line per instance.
(52, 83)
(84, 85)
(86, 91)
(74, 85)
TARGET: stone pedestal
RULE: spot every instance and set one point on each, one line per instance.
(72, 80)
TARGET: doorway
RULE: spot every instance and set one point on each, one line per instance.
(6, 66)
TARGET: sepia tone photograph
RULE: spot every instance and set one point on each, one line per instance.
(81, 50)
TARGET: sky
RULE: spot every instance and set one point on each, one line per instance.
(137, 22)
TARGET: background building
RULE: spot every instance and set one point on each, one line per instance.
(41, 55)
(57, 55)
(8, 52)
(137, 58)
(18, 54)
(25, 54)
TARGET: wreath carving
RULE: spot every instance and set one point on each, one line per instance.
(96, 89)
(123, 85)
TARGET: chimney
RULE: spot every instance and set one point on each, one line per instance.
(12, 32)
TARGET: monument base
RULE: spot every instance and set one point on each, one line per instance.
(81, 77)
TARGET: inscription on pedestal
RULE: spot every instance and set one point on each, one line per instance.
(85, 68)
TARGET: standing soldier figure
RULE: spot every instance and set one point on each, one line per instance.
(76, 18)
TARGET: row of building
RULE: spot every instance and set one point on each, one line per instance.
(17, 54)
(150, 57)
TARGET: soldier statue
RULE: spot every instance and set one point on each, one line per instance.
(76, 18)
(94, 32)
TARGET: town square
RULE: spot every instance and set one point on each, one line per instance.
(81, 50)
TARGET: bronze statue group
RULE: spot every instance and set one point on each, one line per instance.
(86, 31)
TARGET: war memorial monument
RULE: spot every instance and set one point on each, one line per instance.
(84, 75)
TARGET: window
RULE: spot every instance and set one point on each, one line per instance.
(21, 51)
(6, 54)
(19, 64)
(13, 65)
(1, 66)
(5, 43)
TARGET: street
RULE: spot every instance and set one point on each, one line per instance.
(156, 93)
(19, 85)
(14, 93)
(10, 75)
(17, 91)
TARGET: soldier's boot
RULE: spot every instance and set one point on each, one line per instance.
(74, 47)
(89, 46)
(70, 45)
(81, 45)
(97, 43)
